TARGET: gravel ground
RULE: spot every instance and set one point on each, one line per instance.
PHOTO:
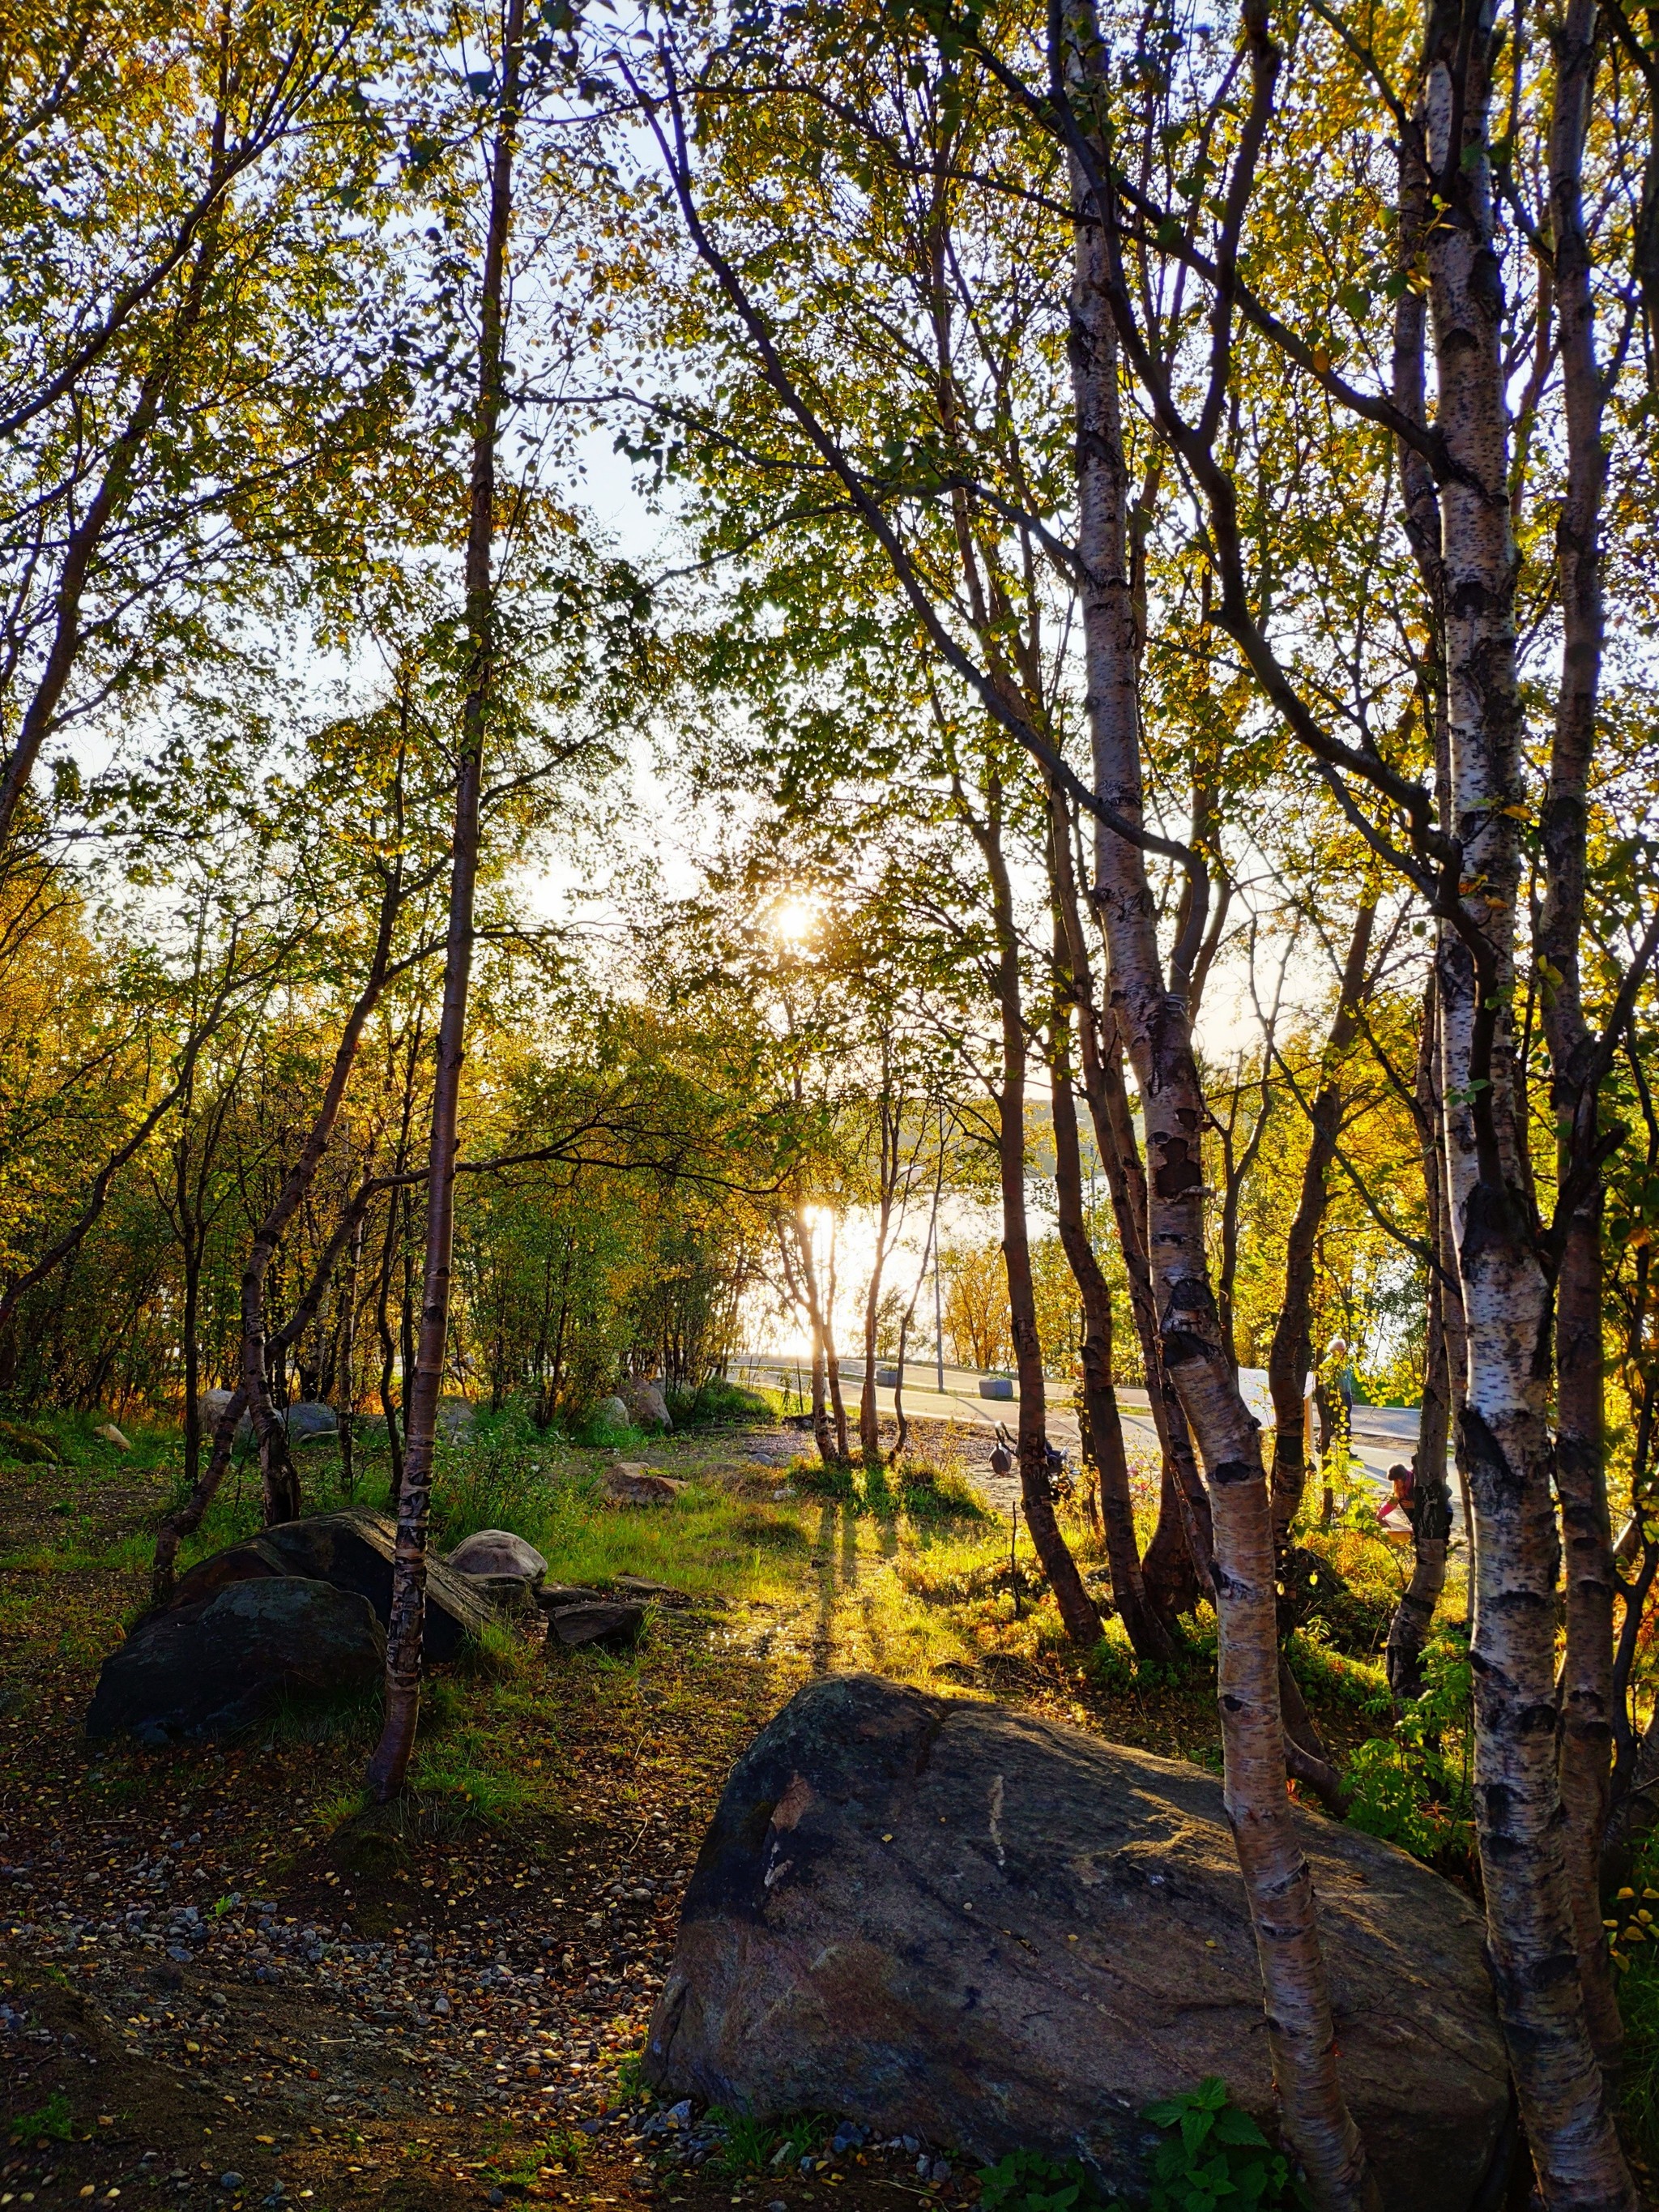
(212, 1994)
(270, 2051)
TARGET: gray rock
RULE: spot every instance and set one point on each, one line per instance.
(647, 1407)
(307, 1422)
(958, 1922)
(497, 1552)
(552, 1597)
(351, 1549)
(310, 1420)
(637, 1589)
(610, 1414)
(209, 1668)
(457, 1417)
(599, 1623)
(509, 1593)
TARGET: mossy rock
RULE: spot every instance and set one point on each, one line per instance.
(25, 1446)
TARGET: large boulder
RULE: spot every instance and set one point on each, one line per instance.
(610, 1414)
(497, 1552)
(352, 1550)
(944, 1918)
(310, 1421)
(647, 1407)
(209, 1668)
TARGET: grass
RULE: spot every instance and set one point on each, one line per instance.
(52, 2123)
(752, 2146)
(797, 1571)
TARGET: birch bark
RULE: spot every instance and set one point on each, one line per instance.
(1156, 1026)
(1506, 1293)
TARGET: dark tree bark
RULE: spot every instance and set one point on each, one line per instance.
(1413, 1616)
(187, 1518)
(1147, 1633)
(390, 1764)
(889, 1116)
(1580, 1438)
(1177, 1571)
(1077, 1608)
(1291, 1356)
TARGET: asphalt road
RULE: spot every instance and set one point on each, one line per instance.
(1382, 1434)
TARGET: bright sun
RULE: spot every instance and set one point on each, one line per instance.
(794, 920)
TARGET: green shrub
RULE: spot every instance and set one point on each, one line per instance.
(1026, 2181)
(719, 1403)
(832, 1479)
(1637, 1959)
(1217, 2159)
(941, 1494)
(1324, 1673)
(1409, 1788)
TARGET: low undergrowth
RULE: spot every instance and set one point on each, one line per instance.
(1634, 1941)
(917, 1488)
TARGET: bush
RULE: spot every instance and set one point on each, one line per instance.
(1216, 2160)
(1026, 2181)
(1636, 1955)
(1217, 2155)
(718, 1403)
(1407, 1788)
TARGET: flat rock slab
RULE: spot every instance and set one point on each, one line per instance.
(628, 1485)
(944, 1918)
(208, 1670)
(352, 1550)
(599, 1623)
(552, 1597)
(638, 1590)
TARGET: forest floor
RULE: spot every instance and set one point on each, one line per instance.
(221, 1983)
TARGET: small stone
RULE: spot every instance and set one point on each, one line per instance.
(232, 2180)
